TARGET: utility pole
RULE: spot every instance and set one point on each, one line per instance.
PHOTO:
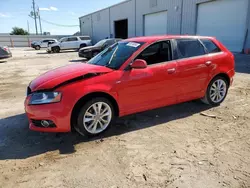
(39, 18)
(28, 26)
(34, 11)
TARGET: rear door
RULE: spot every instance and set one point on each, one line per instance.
(193, 69)
(73, 43)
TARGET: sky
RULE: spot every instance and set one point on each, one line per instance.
(65, 12)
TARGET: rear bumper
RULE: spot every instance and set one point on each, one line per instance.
(231, 74)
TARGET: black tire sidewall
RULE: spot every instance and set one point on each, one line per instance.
(82, 46)
(208, 91)
(56, 49)
(37, 47)
(80, 127)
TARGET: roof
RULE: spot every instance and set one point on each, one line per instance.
(162, 37)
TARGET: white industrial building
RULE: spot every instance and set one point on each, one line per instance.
(228, 20)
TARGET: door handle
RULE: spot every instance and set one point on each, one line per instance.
(208, 63)
(171, 71)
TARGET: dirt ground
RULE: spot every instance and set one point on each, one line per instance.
(169, 147)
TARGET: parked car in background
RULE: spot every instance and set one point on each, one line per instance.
(131, 76)
(91, 51)
(33, 44)
(42, 43)
(69, 43)
(5, 52)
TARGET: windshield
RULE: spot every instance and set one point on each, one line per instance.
(114, 56)
(100, 43)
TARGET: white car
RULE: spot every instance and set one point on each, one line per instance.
(42, 43)
(69, 43)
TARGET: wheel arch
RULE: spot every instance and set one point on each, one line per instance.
(88, 97)
(224, 75)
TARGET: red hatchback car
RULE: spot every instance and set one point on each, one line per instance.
(131, 76)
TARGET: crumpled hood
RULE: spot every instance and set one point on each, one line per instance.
(53, 78)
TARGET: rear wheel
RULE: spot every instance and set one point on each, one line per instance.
(216, 91)
(82, 46)
(95, 117)
(56, 49)
(37, 47)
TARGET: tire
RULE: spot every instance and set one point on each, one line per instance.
(37, 47)
(56, 49)
(216, 95)
(90, 125)
(82, 46)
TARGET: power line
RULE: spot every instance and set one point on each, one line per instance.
(59, 25)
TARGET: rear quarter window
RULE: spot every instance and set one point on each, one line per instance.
(210, 46)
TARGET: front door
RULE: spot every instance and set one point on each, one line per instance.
(152, 87)
(193, 69)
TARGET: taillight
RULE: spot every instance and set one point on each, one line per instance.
(5, 49)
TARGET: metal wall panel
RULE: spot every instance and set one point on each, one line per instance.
(189, 16)
(100, 22)
(86, 26)
(122, 11)
(173, 7)
(182, 17)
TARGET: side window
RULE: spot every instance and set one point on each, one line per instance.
(72, 39)
(189, 48)
(110, 42)
(64, 40)
(84, 38)
(210, 46)
(156, 53)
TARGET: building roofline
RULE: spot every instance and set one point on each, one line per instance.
(125, 1)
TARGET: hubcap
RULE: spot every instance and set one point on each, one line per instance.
(97, 117)
(218, 91)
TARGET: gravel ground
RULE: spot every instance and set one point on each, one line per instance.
(174, 146)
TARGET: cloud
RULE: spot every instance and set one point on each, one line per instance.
(49, 9)
(2, 15)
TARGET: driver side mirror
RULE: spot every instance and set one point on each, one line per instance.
(139, 64)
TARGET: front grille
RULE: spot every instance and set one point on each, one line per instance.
(28, 91)
(38, 123)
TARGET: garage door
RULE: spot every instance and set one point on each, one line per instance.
(155, 24)
(224, 19)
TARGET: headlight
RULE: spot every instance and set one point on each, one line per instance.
(45, 98)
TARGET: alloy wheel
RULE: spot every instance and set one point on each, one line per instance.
(97, 117)
(218, 91)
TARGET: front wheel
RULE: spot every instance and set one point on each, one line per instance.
(216, 91)
(95, 117)
(37, 47)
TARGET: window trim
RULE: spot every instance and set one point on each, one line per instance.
(206, 47)
(164, 40)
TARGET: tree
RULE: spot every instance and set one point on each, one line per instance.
(18, 31)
